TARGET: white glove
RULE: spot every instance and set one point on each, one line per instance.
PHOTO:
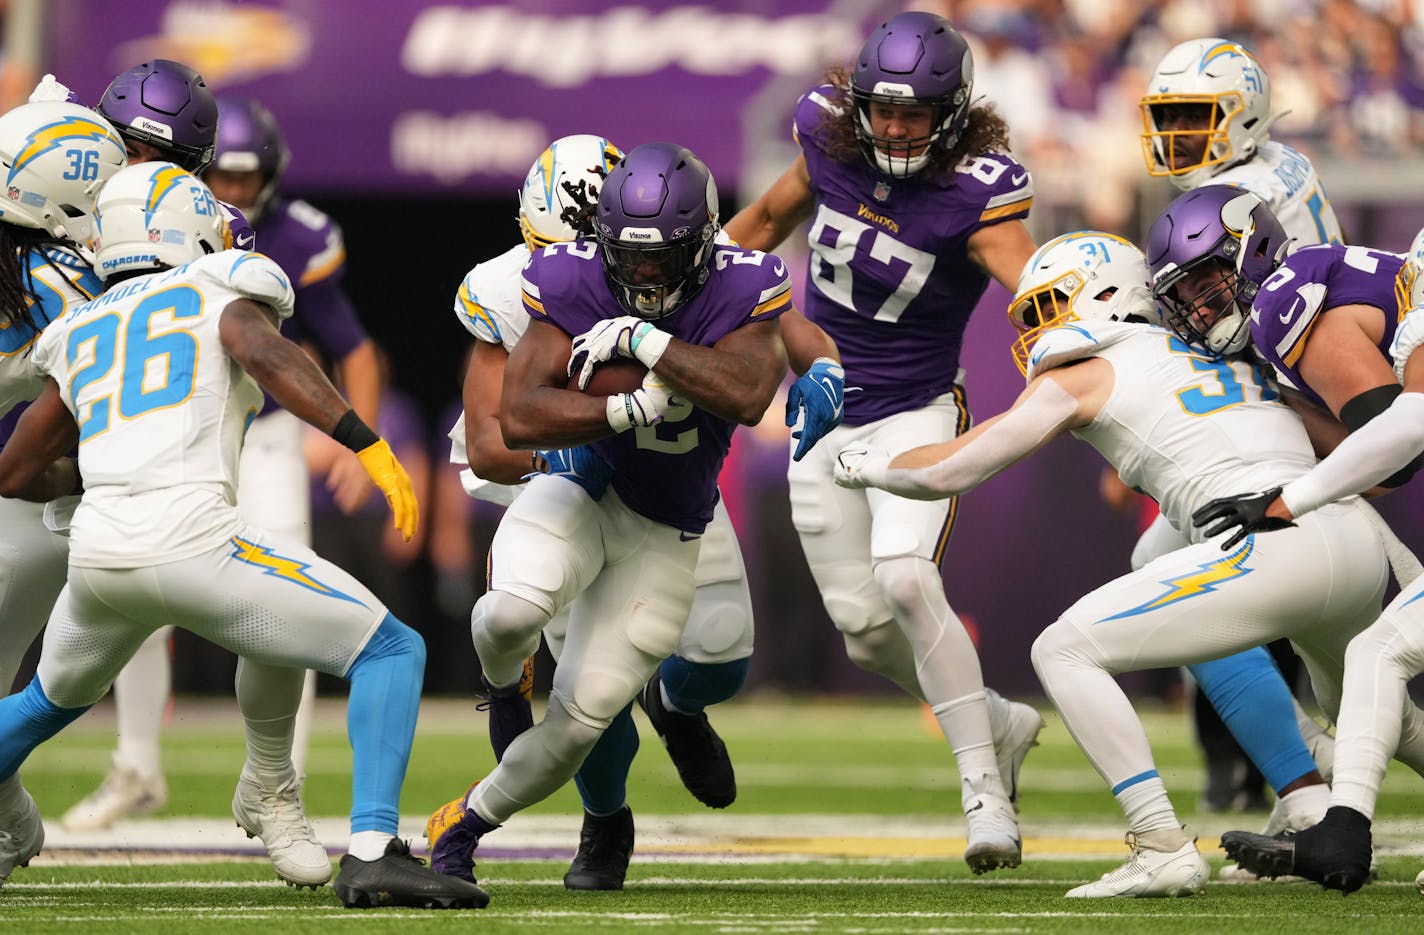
(616, 337)
(860, 466)
(643, 407)
(50, 89)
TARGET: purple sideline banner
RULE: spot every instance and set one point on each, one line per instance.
(424, 96)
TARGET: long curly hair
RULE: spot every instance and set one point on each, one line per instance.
(17, 293)
(985, 131)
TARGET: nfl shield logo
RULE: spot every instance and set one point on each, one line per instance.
(882, 191)
(154, 234)
(14, 193)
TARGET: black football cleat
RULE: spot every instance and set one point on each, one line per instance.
(699, 754)
(605, 846)
(1334, 853)
(399, 879)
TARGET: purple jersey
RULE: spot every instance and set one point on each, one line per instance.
(1308, 284)
(667, 472)
(307, 245)
(890, 279)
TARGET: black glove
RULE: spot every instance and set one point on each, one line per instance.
(1247, 511)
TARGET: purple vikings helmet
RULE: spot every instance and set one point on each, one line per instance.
(913, 58)
(167, 105)
(249, 140)
(656, 220)
(1209, 253)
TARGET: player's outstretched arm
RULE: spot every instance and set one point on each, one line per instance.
(32, 463)
(249, 335)
(766, 222)
(1051, 405)
(489, 457)
(1001, 250)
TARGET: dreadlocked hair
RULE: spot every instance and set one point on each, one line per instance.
(984, 132)
(17, 293)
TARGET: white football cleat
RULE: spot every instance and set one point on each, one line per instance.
(994, 840)
(21, 837)
(277, 817)
(1419, 882)
(125, 793)
(1151, 872)
(1015, 728)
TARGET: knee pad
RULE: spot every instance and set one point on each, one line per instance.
(1057, 646)
(504, 624)
(905, 581)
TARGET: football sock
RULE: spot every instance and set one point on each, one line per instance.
(380, 722)
(688, 686)
(1249, 693)
(602, 780)
(27, 719)
(268, 698)
(1144, 801)
(369, 845)
(302, 727)
(141, 693)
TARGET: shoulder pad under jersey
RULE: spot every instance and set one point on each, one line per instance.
(1407, 338)
(1076, 340)
(256, 276)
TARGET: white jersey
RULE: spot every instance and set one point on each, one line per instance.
(489, 307)
(1407, 338)
(488, 303)
(1288, 183)
(1178, 425)
(59, 288)
(161, 408)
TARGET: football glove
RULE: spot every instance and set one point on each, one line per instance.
(387, 474)
(643, 407)
(582, 465)
(1246, 511)
(859, 466)
(818, 400)
(616, 337)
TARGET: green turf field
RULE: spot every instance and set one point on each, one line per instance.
(846, 821)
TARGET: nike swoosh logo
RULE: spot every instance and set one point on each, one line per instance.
(977, 805)
(1019, 179)
(684, 537)
(1290, 313)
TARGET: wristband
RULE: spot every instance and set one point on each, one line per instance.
(620, 412)
(353, 433)
(648, 344)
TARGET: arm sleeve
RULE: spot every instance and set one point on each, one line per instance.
(1015, 435)
(1376, 451)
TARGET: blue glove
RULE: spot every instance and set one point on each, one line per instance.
(582, 466)
(820, 395)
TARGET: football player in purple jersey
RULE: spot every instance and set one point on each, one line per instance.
(1325, 317)
(914, 203)
(704, 319)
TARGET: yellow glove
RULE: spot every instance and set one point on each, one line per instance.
(387, 474)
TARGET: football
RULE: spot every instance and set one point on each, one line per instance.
(620, 375)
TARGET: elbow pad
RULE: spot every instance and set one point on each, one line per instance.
(1364, 407)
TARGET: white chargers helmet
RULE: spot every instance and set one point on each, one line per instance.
(1210, 73)
(56, 156)
(1082, 276)
(561, 190)
(155, 215)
